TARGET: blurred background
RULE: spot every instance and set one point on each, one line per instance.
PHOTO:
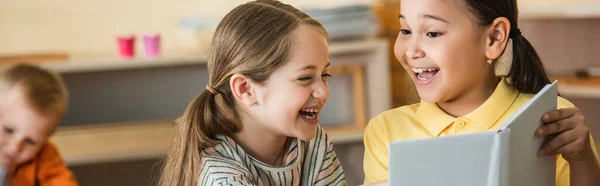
(133, 66)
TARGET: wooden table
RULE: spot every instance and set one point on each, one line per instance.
(121, 142)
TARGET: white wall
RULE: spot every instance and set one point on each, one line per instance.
(83, 26)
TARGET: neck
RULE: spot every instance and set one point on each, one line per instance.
(262, 144)
(472, 98)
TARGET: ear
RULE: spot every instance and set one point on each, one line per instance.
(242, 89)
(497, 37)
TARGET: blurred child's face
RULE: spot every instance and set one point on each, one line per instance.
(23, 130)
(292, 98)
(441, 48)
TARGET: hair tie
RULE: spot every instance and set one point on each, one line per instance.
(514, 33)
(211, 90)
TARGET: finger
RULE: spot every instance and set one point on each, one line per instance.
(555, 127)
(572, 148)
(558, 142)
(559, 114)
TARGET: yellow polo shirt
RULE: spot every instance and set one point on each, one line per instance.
(427, 120)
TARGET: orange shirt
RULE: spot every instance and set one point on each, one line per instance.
(47, 169)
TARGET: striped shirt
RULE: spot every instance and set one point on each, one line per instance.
(307, 163)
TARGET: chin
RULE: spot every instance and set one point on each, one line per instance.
(430, 96)
(307, 134)
(306, 137)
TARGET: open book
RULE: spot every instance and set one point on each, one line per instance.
(507, 156)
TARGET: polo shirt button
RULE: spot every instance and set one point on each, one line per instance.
(461, 124)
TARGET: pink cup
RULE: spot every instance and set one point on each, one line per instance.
(152, 45)
(126, 47)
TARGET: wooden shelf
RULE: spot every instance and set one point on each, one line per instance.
(90, 62)
(559, 10)
(579, 87)
(128, 141)
(105, 62)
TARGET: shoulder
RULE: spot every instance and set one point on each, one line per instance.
(52, 168)
(385, 120)
(219, 169)
(399, 113)
(564, 103)
(223, 175)
(561, 102)
(222, 157)
(49, 157)
(48, 151)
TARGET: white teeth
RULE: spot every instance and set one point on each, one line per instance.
(416, 70)
(312, 113)
(310, 110)
(312, 116)
(421, 70)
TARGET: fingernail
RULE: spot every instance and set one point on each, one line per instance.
(542, 152)
(545, 151)
(545, 117)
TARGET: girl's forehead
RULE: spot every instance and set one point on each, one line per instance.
(309, 47)
(450, 10)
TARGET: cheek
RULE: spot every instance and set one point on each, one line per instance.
(281, 101)
(446, 59)
(400, 49)
(294, 99)
(3, 138)
(453, 57)
(290, 102)
(27, 154)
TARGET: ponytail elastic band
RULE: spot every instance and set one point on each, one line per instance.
(211, 90)
(514, 33)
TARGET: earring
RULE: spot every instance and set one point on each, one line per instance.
(489, 61)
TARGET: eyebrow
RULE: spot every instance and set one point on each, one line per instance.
(313, 67)
(428, 16)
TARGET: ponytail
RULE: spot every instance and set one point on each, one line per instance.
(240, 45)
(526, 73)
(194, 131)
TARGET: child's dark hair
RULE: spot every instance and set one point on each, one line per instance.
(526, 73)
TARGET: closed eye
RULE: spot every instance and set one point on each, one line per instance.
(305, 78)
(325, 76)
(8, 130)
(31, 141)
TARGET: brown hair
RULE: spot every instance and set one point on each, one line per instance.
(44, 90)
(253, 39)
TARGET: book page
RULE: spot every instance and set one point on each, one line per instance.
(462, 160)
(526, 167)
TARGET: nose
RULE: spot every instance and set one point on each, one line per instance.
(321, 92)
(413, 50)
(13, 147)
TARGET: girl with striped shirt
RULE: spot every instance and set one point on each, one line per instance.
(256, 122)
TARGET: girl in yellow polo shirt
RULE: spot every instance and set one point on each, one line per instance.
(451, 50)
